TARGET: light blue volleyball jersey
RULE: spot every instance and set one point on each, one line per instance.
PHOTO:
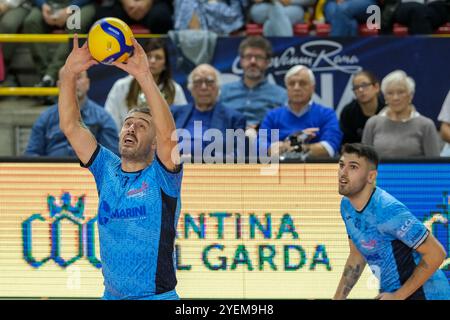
(386, 233)
(137, 218)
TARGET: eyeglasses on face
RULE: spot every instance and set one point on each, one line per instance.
(300, 83)
(209, 82)
(249, 57)
(362, 86)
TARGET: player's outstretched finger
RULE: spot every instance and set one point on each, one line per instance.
(85, 45)
(136, 45)
(75, 41)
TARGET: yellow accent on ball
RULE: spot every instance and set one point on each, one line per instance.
(109, 40)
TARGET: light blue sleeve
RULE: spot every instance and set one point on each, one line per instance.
(401, 224)
(102, 161)
(345, 217)
(169, 181)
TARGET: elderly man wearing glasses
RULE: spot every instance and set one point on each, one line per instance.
(367, 102)
(399, 130)
(304, 126)
(205, 113)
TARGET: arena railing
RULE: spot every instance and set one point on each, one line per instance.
(43, 38)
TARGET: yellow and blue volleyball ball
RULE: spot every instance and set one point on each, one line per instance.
(109, 40)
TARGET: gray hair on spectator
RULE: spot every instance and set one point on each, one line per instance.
(398, 76)
(296, 69)
(190, 78)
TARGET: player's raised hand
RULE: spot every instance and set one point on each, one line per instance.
(79, 59)
(137, 65)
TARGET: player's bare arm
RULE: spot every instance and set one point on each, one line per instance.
(433, 254)
(352, 272)
(166, 146)
(70, 121)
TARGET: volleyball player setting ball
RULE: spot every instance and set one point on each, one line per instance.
(138, 192)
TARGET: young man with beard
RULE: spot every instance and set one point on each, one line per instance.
(139, 193)
(382, 232)
(253, 95)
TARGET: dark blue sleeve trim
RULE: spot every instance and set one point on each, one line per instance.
(94, 155)
(177, 168)
(422, 239)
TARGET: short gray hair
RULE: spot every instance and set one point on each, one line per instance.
(145, 110)
(190, 78)
(398, 76)
(296, 69)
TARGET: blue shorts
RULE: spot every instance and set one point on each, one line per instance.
(169, 295)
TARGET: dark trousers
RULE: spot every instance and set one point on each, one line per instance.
(158, 19)
(422, 18)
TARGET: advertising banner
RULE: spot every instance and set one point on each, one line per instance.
(241, 234)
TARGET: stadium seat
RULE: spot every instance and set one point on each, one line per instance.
(365, 31)
(400, 30)
(301, 29)
(139, 29)
(323, 29)
(444, 29)
(254, 29)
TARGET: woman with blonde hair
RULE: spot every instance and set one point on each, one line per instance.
(399, 130)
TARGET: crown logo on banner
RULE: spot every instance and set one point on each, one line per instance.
(65, 206)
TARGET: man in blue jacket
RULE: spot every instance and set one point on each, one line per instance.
(206, 121)
(319, 125)
(47, 139)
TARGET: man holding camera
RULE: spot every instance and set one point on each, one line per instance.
(305, 127)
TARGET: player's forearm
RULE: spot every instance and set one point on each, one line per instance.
(278, 148)
(317, 150)
(162, 117)
(69, 111)
(424, 270)
(352, 272)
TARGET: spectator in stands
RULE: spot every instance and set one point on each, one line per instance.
(126, 94)
(278, 16)
(399, 130)
(301, 114)
(220, 16)
(444, 118)
(345, 15)
(155, 15)
(253, 95)
(47, 139)
(421, 16)
(50, 15)
(206, 111)
(368, 102)
(12, 15)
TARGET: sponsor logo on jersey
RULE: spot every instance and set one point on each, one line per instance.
(138, 192)
(407, 225)
(368, 245)
(106, 213)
